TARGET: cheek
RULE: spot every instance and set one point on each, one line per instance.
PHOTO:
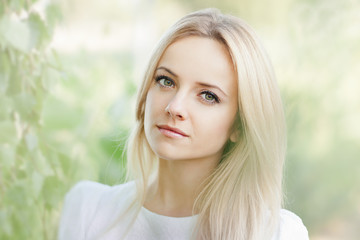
(217, 127)
(151, 103)
(221, 130)
(155, 105)
(157, 100)
(148, 110)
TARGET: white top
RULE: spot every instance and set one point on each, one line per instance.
(96, 211)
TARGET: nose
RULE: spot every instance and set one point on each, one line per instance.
(176, 108)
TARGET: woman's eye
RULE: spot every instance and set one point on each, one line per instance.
(210, 97)
(164, 81)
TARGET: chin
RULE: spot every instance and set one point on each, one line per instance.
(169, 154)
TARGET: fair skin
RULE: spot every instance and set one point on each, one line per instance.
(190, 110)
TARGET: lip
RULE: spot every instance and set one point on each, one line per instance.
(171, 132)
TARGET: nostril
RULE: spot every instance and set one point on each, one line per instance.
(174, 114)
(176, 108)
(179, 116)
(168, 111)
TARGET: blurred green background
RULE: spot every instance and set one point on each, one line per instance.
(68, 76)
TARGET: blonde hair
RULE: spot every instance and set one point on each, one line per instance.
(242, 197)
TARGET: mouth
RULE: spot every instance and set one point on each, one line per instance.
(171, 132)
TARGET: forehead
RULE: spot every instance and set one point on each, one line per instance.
(200, 59)
(196, 48)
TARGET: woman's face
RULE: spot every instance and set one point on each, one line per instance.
(192, 102)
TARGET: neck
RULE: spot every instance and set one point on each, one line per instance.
(177, 185)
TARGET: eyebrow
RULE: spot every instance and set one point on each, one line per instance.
(199, 83)
(167, 70)
(211, 86)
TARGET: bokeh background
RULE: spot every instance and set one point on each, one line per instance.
(69, 70)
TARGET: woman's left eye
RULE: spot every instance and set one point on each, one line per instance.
(166, 82)
(209, 97)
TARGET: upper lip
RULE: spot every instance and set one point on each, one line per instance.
(172, 129)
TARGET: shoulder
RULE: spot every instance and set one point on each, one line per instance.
(82, 204)
(86, 195)
(89, 191)
(291, 227)
(85, 190)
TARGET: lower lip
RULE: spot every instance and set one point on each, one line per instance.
(170, 134)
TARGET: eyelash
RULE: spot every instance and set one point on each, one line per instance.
(161, 77)
(205, 92)
(216, 98)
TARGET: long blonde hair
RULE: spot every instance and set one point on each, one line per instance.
(242, 197)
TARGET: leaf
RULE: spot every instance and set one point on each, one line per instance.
(7, 156)
(43, 164)
(39, 32)
(12, 57)
(8, 132)
(4, 79)
(16, 82)
(5, 223)
(31, 141)
(5, 108)
(16, 5)
(17, 195)
(24, 103)
(4, 73)
(53, 15)
(58, 114)
(37, 181)
(66, 164)
(53, 191)
(50, 78)
(16, 33)
(2, 9)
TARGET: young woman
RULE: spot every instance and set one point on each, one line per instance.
(206, 155)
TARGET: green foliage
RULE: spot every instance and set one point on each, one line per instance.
(321, 96)
(63, 115)
(33, 173)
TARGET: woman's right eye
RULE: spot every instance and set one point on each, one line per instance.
(165, 81)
